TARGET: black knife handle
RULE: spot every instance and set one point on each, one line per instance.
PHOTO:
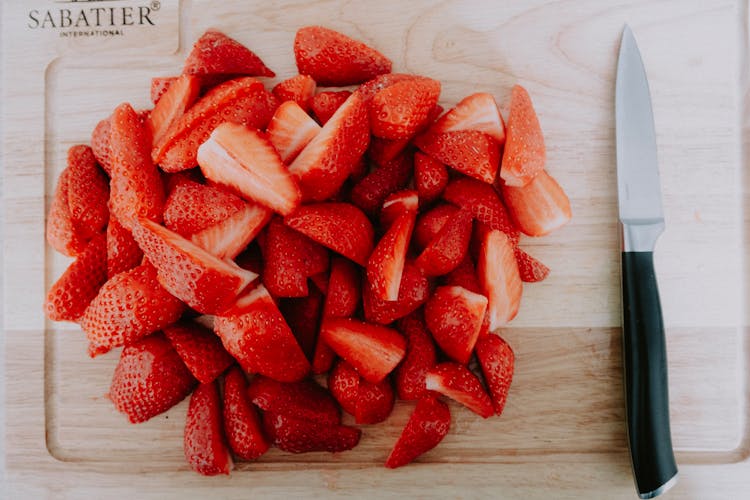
(647, 394)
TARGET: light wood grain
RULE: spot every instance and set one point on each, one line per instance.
(562, 434)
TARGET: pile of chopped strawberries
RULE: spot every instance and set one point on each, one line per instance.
(346, 248)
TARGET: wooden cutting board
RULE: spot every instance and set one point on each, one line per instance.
(563, 432)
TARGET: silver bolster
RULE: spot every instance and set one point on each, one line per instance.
(641, 236)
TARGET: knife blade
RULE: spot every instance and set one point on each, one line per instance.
(642, 222)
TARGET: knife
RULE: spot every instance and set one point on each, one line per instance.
(642, 221)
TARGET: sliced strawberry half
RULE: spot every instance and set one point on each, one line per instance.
(123, 252)
(496, 359)
(531, 269)
(305, 400)
(214, 53)
(228, 238)
(241, 420)
(458, 383)
(430, 177)
(413, 292)
(454, 316)
(372, 349)
(400, 110)
(539, 207)
(342, 227)
(420, 357)
(474, 112)
(396, 204)
(499, 278)
(386, 264)
(524, 154)
(159, 85)
(192, 207)
(246, 162)
(61, 233)
(470, 152)
(370, 193)
(88, 192)
(428, 424)
(299, 88)
(325, 104)
(200, 350)
(179, 96)
(449, 247)
(430, 223)
(206, 450)
(296, 435)
(290, 130)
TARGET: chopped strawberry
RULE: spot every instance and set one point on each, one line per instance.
(539, 207)
(123, 252)
(420, 357)
(327, 160)
(370, 193)
(413, 292)
(88, 192)
(470, 152)
(343, 295)
(241, 420)
(400, 110)
(159, 85)
(396, 204)
(206, 450)
(129, 306)
(100, 144)
(325, 104)
(332, 58)
(136, 187)
(243, 101)
(150, 378)
(372, 349)
(475, 112)
(386, 264)
(499, 278)
(62, 234)
(430, 223)
(305, 400)
(296, 435)
(200, 350)
(339, 226)
(496, 359)
(524, 154)
(449, 247)
(214, 53)
(458, 383)
(70, 295)
(484, 202)
(369, 89)
(204, 282)
(191, 207)
(430, 177)
(454, 316)
(531, 269)
(290, 130)
(255, 333)
(226, 239)
(180, 95)
(300, 89)
(246, 162)
(303, 315)
(428, 424)
(465, 275)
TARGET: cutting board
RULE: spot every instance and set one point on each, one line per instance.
(563, 432)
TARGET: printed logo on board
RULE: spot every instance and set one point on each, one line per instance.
(94, 18)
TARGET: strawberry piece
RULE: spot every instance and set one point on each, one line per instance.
(413, 292)
(400, 110)
(226, 239)
(204, 282)
(296, 435)
(372, 349)
(245, 161)
(123, 252)
(299, 88)
(499, 278)
(524, 154)
(454, 316)
(149, 379)
(428, 424)
(539, 207)
(386, 264)
(343, 382)
(370, 193)
(192, 207)
(100, 144)
(242, 101)
(430, 223)
(255, 333)
(61, 233)
(180, 95)
(420, 357)
(290, 130)
(200, 350)
(475, 112)
(159, 85)
(88, 192)
(449, 247)
(396, 204)
(303, 315)
(136, 187)
(214, 53)
(129, 306)
(430, 177)
(325, 163)
(465, 275)
(325, 104)
(305, 400)
(530, 269)
(369, 89)
(290, 258)
(496, 359)
(470, 152)
(70, 295)
(370, 403)
(339, 226)
(484, 202)
(332, 58)
(205, 448)
(459, 384)
(241, 420)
